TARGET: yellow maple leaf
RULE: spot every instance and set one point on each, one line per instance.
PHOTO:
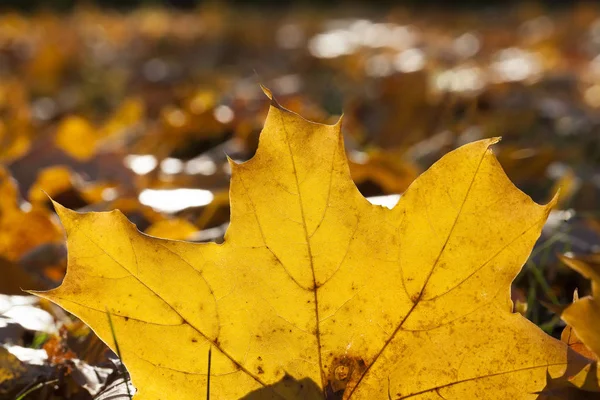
(316, 293)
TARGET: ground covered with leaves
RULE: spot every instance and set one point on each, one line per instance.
(140, 110)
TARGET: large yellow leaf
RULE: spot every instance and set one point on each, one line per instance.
(315, 292)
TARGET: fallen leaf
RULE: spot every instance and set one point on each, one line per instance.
(175, 229)
(387, 169)
(95, 192)
(15, 128)
(584, 314)
(47, 64)
(569, 336)
(62, 184)
(9, 192)
(11, 370)
(315, 284)
(22, 231)
(130, 112)
(77, 137)
(211, 212)
(51, 181)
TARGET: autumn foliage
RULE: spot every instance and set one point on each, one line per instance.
(168, 230)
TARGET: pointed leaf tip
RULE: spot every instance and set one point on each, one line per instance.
(266, 91)
(554, 201)
(64, 214)
(269, 94)
(338, 123)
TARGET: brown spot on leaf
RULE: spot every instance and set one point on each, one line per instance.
(344, 373)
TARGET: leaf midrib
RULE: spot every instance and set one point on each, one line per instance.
(310, 256)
